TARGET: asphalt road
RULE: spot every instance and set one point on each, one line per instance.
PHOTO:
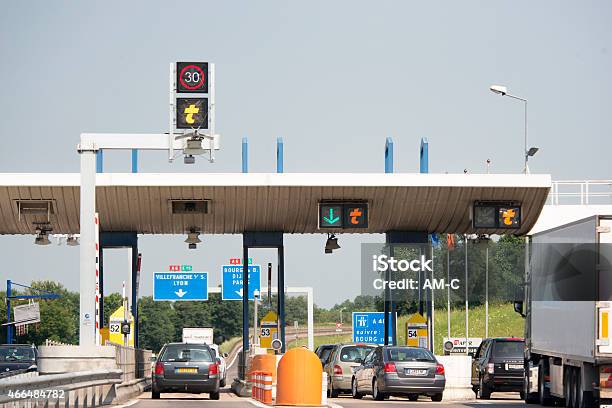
(498, 400)
(229, 400)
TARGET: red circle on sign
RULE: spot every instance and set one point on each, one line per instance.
(192, 87)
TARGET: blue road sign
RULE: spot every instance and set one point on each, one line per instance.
(369, 327)
(180, 286)
(232, 282)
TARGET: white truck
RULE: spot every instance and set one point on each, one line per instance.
(198, 335)
(567, 306)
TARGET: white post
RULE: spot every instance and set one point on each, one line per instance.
(171, 111)
(128, 280)
(255, 336)
(87, 251)
(487, 291)
(212, 108)
(433, 306)
(467, 324)
(448, 292)
(310, 319)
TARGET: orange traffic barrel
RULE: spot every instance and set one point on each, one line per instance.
(265, 362)
(299, 378)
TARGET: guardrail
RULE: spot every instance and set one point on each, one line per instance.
(135, 363)
(82, 388)
(583, 192)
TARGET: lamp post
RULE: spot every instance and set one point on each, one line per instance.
(503, 91)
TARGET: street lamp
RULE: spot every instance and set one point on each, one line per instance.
(503, 91)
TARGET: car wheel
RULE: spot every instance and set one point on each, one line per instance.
(522, 395)
(578, 400)
(437, 397)
(376, 394)
(155, 394)
(413, 397)
(214, 395)
(356, 394)
(483, 390)
(222, 383)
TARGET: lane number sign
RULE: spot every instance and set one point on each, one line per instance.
(192, 77)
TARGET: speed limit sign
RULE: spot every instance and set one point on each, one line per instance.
(192, 77)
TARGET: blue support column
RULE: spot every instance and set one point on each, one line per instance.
(389, 155)
(99, 161)
(279, 154)
(424, 155)
(245, 155)
(9, 327)
(134, 160)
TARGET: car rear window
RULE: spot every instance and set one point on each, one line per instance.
(352, 353)
(16, 354)
(511, 349)
(409, 354)
(185, 353)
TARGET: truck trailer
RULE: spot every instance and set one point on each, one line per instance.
(567, 306)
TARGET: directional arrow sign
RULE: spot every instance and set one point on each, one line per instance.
(232, 282)
(180, 286)
(369, 327)
(330, 216)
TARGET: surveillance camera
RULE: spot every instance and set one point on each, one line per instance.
(189, 159)
(193, 246)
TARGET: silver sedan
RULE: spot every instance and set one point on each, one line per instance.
(399, 371)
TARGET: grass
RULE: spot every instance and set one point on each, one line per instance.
(227, 345)
(503, 322)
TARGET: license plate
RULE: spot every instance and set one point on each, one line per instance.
(187, 370)
(413, 371)
(514, 366)
(605, 406)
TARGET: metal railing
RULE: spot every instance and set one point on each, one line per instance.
(65, 389)
(135, 363)
(580, 192)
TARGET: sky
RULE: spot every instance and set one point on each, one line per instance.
(334, 79)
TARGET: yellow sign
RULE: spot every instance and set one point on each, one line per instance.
(268, 330)
(114, 327)
(416, 331)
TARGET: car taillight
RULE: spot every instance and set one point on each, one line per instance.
(338, 370)
(439, 369)
(159, 368)
(490, 368)
(213, 370)
(390, 368)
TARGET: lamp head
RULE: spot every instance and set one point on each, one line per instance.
(532, 151)
(499, 89)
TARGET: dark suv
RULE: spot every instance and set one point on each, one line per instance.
(187, 368)
(498, 366)
(15, 357)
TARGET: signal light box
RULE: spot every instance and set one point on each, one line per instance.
(192, 77)
(192, 113)
(491, 215)
(334, 215)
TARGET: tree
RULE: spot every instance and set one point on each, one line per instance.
(157, 322)
(111, 303)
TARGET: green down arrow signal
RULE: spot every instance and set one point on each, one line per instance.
(331, 218)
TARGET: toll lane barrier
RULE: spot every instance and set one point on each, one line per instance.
(262, 386)
(299, 378)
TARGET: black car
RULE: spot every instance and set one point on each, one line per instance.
(324, 351)
(498, 365)
(15, 357)
(190, 368)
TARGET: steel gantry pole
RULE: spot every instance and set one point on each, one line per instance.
(87, 277)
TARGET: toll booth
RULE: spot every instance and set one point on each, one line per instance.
(114, 327)
(268, 331)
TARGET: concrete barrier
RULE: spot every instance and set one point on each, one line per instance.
(458, 373)
(67, 359)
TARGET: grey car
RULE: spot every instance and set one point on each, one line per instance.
(399, 371)
(187, 368)
(340, 364)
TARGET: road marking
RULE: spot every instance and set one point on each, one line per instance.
(257, 403)
(129, 403)
(333, 405)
